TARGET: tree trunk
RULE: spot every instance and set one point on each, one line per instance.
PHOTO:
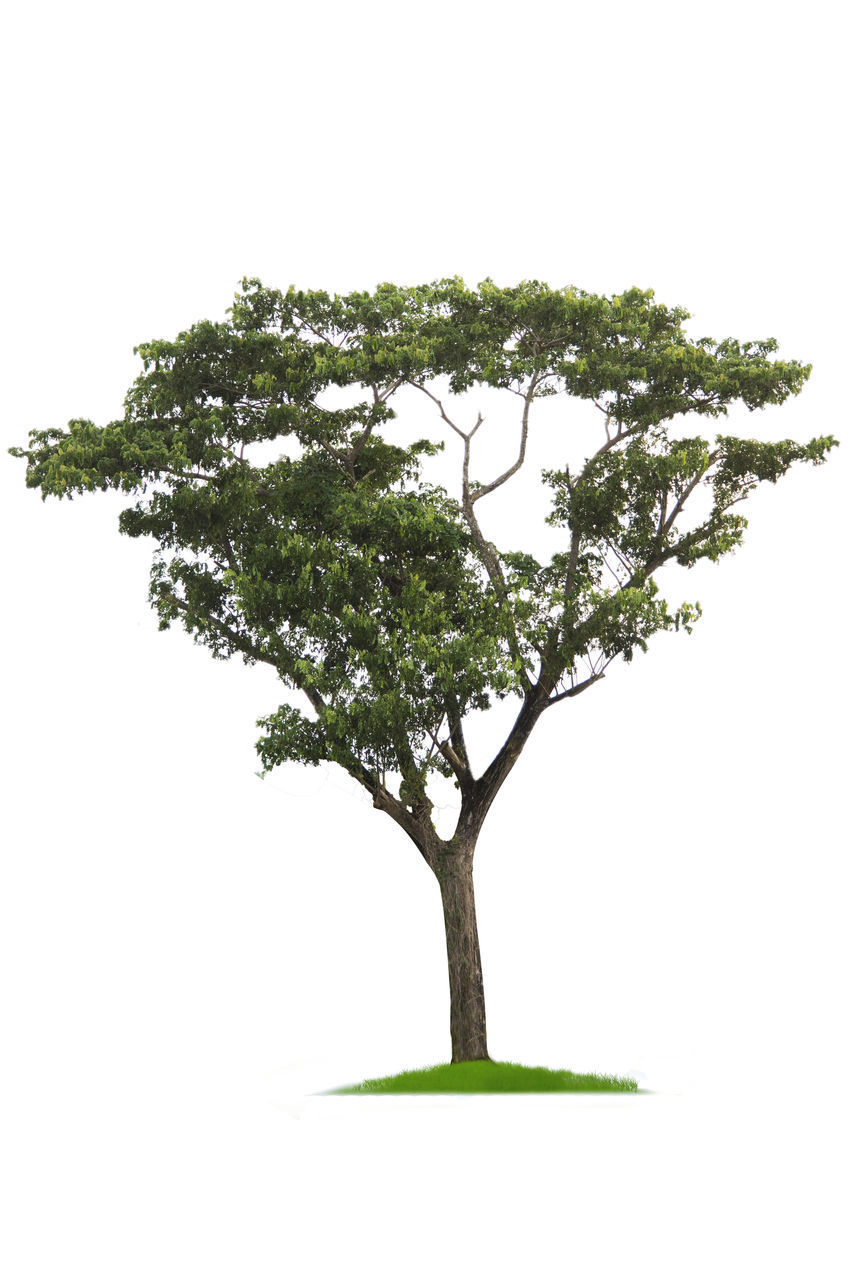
(465, 975)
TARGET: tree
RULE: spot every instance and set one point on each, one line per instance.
(373, 593)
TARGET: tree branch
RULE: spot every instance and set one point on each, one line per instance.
(622, 559)
(420, 387)
(686, 493)
(356, 449)
(477, 802)
(421, 833)
(488, 554)
(243, 643)
(483, 490)
(390, 390)
(615, 439)
(224, 542)
(413, 824)
(421, 805)
(455, 724)
(339, 457)
(446, 750)
(577, 688)
(460, 769)
(569, 577)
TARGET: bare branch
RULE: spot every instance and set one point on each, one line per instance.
(612, 571)
(390, 390)
(622, 559)
(324, 338)
(433, 735)
(576, 688)
(617, 438)
(467, 461)
(487, 552)
(483, 490)
(420, 386)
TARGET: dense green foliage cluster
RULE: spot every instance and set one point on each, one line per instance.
(372, 591)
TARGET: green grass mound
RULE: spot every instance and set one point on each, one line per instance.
(491, 1077)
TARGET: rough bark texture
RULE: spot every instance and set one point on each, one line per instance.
(451, 862)
(465, 974)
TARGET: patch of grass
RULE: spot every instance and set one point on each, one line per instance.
(491, 1077)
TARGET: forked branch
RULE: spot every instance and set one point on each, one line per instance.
(484, 489)
(486, 551)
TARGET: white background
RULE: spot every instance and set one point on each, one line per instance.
(189, 954)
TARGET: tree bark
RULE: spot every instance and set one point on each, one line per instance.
(465, 974)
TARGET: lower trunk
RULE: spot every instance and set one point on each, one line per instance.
(468, 1011)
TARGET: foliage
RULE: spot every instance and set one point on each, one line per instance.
(374, 593)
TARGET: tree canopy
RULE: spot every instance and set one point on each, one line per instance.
(375, 593)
